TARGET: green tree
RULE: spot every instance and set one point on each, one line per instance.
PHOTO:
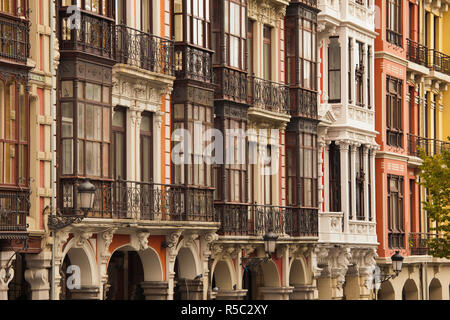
(435, 177)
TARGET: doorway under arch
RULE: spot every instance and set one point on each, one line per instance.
(410, 291)
(435, 290)
(386, 291)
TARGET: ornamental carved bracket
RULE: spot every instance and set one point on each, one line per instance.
(266, 11)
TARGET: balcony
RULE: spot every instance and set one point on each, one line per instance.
(143, 50)
(257, 220)
(231, 85)
(268, 95)
(430, 146)
(14, 208)
(439, 61)
(417, 53)
(14, 39)
(94, 34)
(192, 63)
(303, 103)
(144, 201)
(418, 243)
(394, 37)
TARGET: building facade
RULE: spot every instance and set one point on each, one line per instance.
(208, 125)
(412, 78)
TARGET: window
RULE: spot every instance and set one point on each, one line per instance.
(250, 47)
(350, 84)
(235, 22)
(360, 178)
(396, 231)
(335, 177)
(196, 119)
(267, 178)
(369, 182)
(198, 22)
(309, 52)
(394, 127)
(119, 144)
(334, 70)
(359, 74)
(146, 147)
(17, 7)
(369, 85)
(235, 171)
(291, 168)
(267, 53)
(146, 16)
(349, 190)
(88, 143)
(14, 138)
(394, 22)
(308, 170)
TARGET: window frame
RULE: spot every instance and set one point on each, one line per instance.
(394, 115)
(395, 219)
(115, 130)
(334, 70)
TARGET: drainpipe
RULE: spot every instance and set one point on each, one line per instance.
(52, 143)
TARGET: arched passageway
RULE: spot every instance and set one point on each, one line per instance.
(386, 291)
(435, 290)
(188, 285)
(410, 291)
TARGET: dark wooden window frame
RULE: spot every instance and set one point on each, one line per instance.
(394, 22)
(115, 130)
(250, 43)
(267, 40)
(149, 135)
(150, 16)
(334, 164)
(395, 219)
(105, 11)
(359, 75)
(360, 182)
(394, 108)
(313, 163)
(241, 37)
(14, 7)
(16, 142)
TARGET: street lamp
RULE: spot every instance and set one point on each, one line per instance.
(270, 240)
(397, 264)
(86, 195)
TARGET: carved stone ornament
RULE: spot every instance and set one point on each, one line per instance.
(189, 239)
(107, 237)
(141, 242)
(266, 11)
(81, 237)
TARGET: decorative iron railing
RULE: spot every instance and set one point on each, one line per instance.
(439, 61)
(144, 50)
(417, 53)
(92, 34)
(430, 146)
(231, 84)
(193, 63)
(268, 95)
(14, 208)
(257, 220)
(303, 103)
(14, 38)
(394, 37)
(418, 242)
(122, 199)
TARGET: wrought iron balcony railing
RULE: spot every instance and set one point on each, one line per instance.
(193, 63)
(303, 103)
(268, 95)
(14, 208)
(231, 84)
(92, 34)
(430, 146)
(439, 61)
(14, 38)
(257, 220)
(122, 199)
(417, 53)
(144, 50)
(418, 242)
(394, 37)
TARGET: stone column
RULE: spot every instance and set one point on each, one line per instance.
(37, 274)
(303, 292)
(6, 272)
(276, 293)
(352, 209)
(231, 294)
(190, 289)
(326, 174)
(155, 290)
(345, 205)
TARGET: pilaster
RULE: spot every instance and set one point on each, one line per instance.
(37, 274)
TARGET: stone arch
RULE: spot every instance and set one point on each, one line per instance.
(187, 264)
(386, 291)
(410, 291)
(297, 273)
(435, 290)
(270, 274)
(83, 257)
(151, 262)
(223, 275)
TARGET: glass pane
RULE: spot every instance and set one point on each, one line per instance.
(81, 120)
(106, 94)
(106, 160)
(67, 154)
(67, 89)
(97, 123)
(146, 123)
(23, 114)
(89, 122)
(93, 92)
(80, 157)
(106, 121)
(118, 119)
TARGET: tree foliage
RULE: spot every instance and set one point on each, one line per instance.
(435, 177)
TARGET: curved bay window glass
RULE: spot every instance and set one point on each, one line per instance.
(101, 7)
(14, 132)
(192, 22)
(301, 59)
(14, 7)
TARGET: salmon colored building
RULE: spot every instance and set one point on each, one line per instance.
(409, 77)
